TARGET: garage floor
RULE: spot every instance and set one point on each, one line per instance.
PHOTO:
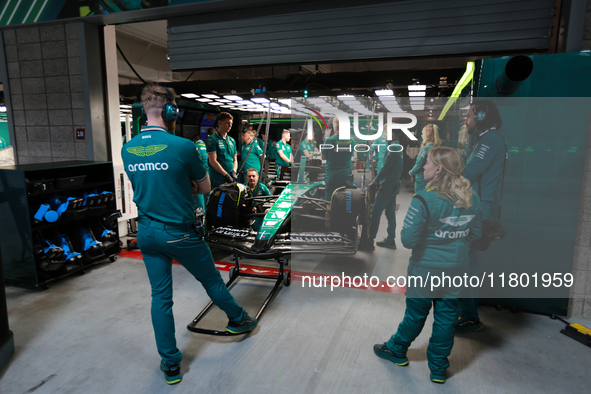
(92, 334)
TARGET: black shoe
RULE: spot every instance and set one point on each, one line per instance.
(467, 325)
(172, 373)
(245, 325)
(387, 244)
(366, 246)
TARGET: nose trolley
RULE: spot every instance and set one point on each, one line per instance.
(282, 276)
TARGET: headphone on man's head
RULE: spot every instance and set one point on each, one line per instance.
(480, 113)
(170, 112)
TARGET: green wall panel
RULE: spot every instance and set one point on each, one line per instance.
(546, 126)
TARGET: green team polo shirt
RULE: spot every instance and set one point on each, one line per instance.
(280, 146)
(225, 150)
(338, 158)
(202, 150)
(160, 167)
(263, 190)
(254, 158)
(308, 146)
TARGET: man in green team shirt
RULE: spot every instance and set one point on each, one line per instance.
(252, 177)
(200, 199)
(164, 170)
(308, 147)
(283, 150)
(221, 149)
(250, 154)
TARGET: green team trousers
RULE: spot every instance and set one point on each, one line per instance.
(161, 243)
(418, 305)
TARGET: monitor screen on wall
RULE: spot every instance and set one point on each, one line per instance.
(208, 120)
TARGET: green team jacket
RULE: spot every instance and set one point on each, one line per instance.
(438, 233)
(418, 170)
(484, 167)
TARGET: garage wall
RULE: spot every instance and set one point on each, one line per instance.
(55, 87)
(376, 31)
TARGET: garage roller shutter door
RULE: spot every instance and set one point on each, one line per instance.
(378, 31)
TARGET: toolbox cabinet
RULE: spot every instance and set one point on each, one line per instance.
(25, 231)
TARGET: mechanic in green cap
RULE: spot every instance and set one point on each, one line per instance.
(430, 137)
(440, 224)
(200, 199)
(221, 149)
(252, 177)
(484, 168)
(388, 183)
(338, 154)
(164, 171)
(250, 154)
(283, 156)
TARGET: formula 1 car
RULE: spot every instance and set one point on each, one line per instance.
(295, 221)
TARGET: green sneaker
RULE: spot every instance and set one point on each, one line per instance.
(382, 351)
(242, 326)
(467, 325)
(439, 379)
(172, 373)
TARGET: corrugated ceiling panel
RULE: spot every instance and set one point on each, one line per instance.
(398, 29)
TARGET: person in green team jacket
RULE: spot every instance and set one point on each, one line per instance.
(388, 183)
(200, 199)
(430, 136)
(283, 151)
(252, 177)
(439, 227)
(338, 153)
(250, 154)
(308, 147)
(221, 150)
(164, 170)
(484, 169)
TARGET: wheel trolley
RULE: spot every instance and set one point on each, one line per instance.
(282, 276)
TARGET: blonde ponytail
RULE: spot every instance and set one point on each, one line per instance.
(449, 183)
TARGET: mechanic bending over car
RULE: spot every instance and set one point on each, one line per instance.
(252, 177)
(164, 170)
(221, 149)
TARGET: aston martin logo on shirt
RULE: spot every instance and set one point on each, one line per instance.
(457, 220)
(146, 150)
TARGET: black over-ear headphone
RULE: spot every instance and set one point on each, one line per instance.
(480, 113)
(170, 112)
